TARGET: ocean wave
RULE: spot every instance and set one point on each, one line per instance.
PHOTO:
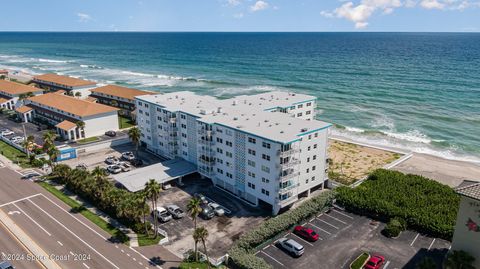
(231, 91)
(412, 136)
(42, 60)
(91, 66)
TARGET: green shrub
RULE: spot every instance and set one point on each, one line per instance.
(393, 228)
(242, 253)
(426, 205)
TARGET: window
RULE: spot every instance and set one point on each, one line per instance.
(228, 132)
(315, 146)
(314, 157)
(308, 159)
(267, 193)
(252, 140)
(308, 149)
(266, 145)
(306, 181)
(229, 143)
(316, 134)
(266, 157)
(308, 170)
(220, 171)
(265, 180)
(229, 154)
(183, 117)
(300, 106)
(184, 135)
(184, 126)
(309, 137)
(299, 114)
(308, 112)
(219, 140)
(313, 168)
(265, 169)
(313, 178)
(251, 163)
(219, 160)
(251, 174)
(251, 185)
(219, 150)
(159, 118)
(309, 104)
(251, 152)
(229, 175)
(146, 105)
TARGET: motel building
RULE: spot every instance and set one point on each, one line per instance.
(64, 112)
(266, 149)
(11, 93)
(71, 85)
(120, 97)
(467, 230)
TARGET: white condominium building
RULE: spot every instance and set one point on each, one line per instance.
(266, 148)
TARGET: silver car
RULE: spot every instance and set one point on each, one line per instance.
(175, 211)
(217, 208)
(162, 214)
(292, 246)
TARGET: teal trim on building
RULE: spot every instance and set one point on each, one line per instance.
(316, 130)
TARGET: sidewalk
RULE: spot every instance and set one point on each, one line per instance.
(129, 232)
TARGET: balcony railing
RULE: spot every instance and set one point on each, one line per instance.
(206, 142)
(287, 152)
(288, 188)
(286, 200)
(289, 176)
(289, 164)
(207, 162)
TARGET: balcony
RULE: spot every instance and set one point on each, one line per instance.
(288, 200)
(289, 164)
(205, 132)
(287, 152)
(207, 162)
(206, 142)
(289, 176)
(288, 188)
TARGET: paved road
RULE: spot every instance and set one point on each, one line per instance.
(73, 240)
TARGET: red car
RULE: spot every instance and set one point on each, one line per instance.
(375, 262)
(306, 233)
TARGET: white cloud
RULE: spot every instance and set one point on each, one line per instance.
(259, 5)
(326, 14)
(432, 4)
(83, 17)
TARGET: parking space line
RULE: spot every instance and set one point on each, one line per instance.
(336, 219)
(302, 239)
(319, 228)
(60, 243)
(86, 266)
(80, 239)
(328, 224)
(19, 200)
(343, 214)
(414, 239)
(267, 246)
(273, 258)
(36, 223)
(431, 244)
(386, 265)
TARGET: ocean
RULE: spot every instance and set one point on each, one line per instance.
(416, 91)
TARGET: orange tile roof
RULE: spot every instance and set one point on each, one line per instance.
(3, 71)
(16, 88)
(71, 105)
(91, 99)
(64, 80)
(66, 125)
(3, 100)
(23, 109)
(119, 91)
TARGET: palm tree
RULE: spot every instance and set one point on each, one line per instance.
(143, 197)
(78, 94)
(134, 135)
(194, 209)
(426, 263)
(459, 259)
(28, 144)
(81, 126)
(201, 234)
(152, 189)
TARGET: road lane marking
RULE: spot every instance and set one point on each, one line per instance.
(264, 248)
(336, 219)
(91, 229)
(59, 223)
(86, 266)
(40, 226)
(343, 214)
(60, 243)
(122, 251)
(431, 244)
(302, 239)
(71, 253)
(386, 265)
(415, 239)
(128, 254)
(328, 224)
(24, 198)
(273, 258)
(319, 228)
(134, 259)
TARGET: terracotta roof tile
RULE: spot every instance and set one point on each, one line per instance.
(119, 91)
(64, 80)
(3, 100)
(16, 88)
(23, 109)
(66, 125)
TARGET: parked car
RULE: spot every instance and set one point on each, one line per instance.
(175, 211)
(306, 233)
(114, 169)
(217, 209)
(162, 214)
(17, 139)
(6, 132)
(110, 133)
(166, 187)
(30, 175)
(207, 212)
(136, 162)
(6, 265)
(375, 262)
(201, 197)
(111, 160)
(128, 155)
(125, 166)
(81, 166)
(292, 246)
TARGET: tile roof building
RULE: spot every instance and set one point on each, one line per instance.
(118, 96)
(12, 93)
(54, 82)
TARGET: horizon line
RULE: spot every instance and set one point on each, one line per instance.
(253, 32)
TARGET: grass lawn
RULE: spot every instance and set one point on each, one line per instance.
(197, 265)
(88, 140)
(359, 261)
(78, 208)
(148, 240)
(125, 122)
(14, 154)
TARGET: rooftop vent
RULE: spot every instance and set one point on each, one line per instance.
(304, 130)
(281, 132)
(234, 102)
(265, 120)
(219, 109)
(235, 118)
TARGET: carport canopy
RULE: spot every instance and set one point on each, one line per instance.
(163, 172)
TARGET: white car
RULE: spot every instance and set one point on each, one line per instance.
(292, 246)
(217, 208)
(17, 139)
(128, 155)
(114, 169)
(111, 160)
(162, 214)
(125, 166)
(6, 132)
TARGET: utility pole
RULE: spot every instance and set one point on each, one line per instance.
(26, 141)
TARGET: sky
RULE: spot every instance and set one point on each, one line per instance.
(241, 15)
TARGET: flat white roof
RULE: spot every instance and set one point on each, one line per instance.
(246, 113)
(136, 179)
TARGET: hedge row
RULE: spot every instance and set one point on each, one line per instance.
(243, 252)
(426, 205)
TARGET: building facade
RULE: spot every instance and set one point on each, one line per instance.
(120, 97)
(266, 149)
(68, 114)
(13, 93)
(73, 86)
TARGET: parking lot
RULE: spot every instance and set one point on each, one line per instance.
(222, 230)
(16, 127)
(344, 236)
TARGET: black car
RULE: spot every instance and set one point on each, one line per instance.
(136, 162)
(110, 133)
(207, 212)
(30, 175)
